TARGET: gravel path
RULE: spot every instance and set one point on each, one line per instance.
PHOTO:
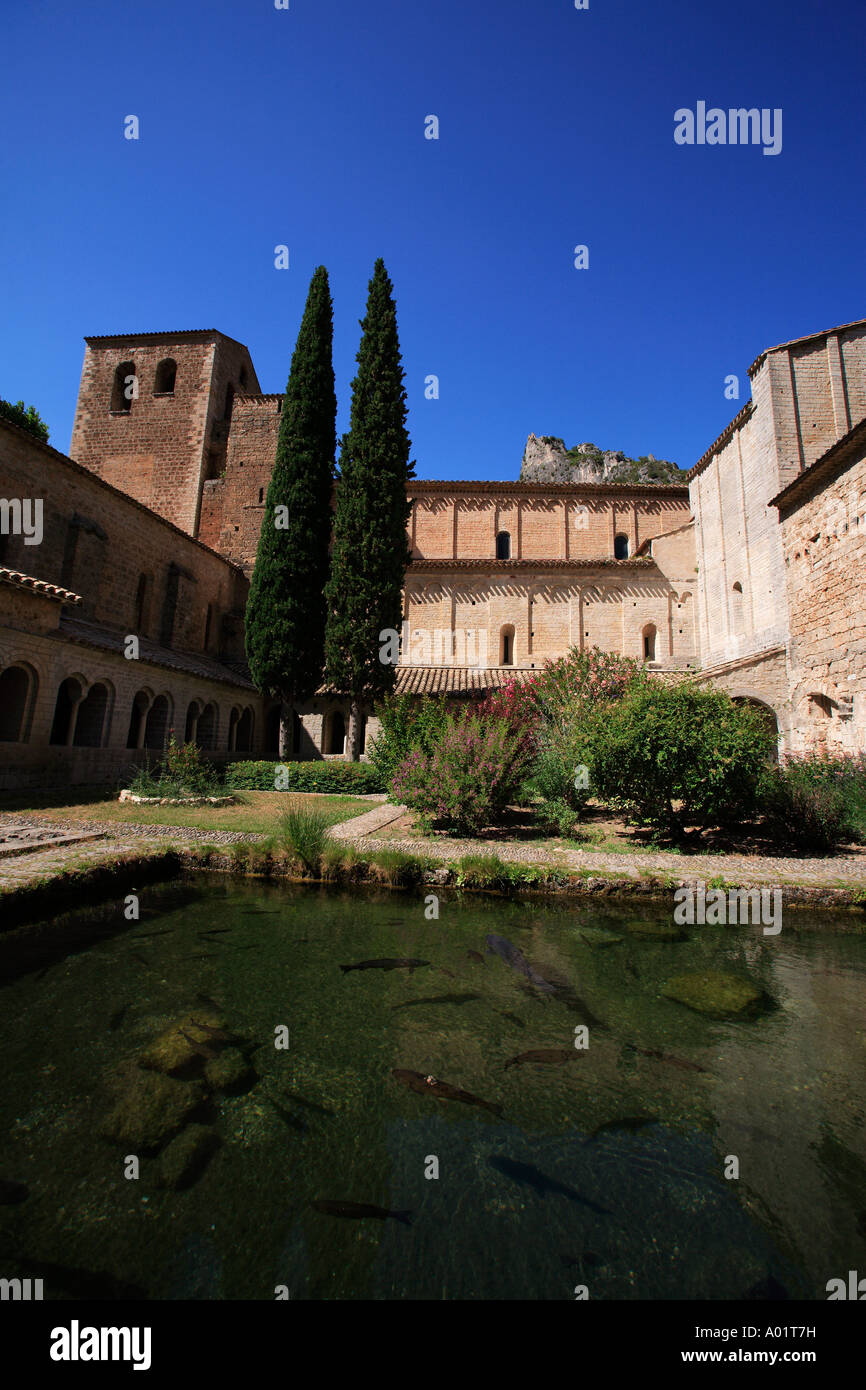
(847, 869)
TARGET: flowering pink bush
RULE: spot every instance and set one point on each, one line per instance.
(468, 778)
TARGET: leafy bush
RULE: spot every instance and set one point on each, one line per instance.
(573, 696)
(397, 869)
(818, 802)
(516, 703)
(468, 778)
(405, 723)
(303, 831)
(678, 755)
(27, 417)
(352, 779)
(181, 771)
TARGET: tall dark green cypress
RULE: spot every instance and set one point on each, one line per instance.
(285, 619)
(371, 549)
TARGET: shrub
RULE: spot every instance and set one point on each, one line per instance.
(351, 779)
(303, 831)
(467, 779)
(405, 722)
(515, 702)
(817, 802)
(677, 755)
(572, 696)
(181, 771)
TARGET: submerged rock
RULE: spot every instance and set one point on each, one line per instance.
(185, 1047)
(151, 1110)
(186, 1156)
(714, 992)
(651, 930)
(230, 1071)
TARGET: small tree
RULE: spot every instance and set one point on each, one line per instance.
(285, 619)
(371, 550)
(26, 416)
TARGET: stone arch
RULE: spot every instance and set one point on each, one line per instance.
(193, 714)
(208, 727)
(334, 741)
(649, 642)
(141, 703)
(621, 546)
(70, 693)
(503, 545)
(166, 376)
(758, 702)
(158, 722)
(506, 645)
(93, 716)
(120, 402)
(18, 691)
(19, 687)
(244, 730)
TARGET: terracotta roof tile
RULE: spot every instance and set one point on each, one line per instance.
(37, 586)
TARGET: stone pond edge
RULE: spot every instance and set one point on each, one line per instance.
(74, 887)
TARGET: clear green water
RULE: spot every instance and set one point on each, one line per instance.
(647, 1212)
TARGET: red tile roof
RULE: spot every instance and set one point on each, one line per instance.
(37, 586)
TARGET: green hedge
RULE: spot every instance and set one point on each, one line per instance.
(353, 779)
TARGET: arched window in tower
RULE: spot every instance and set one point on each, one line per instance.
(620, 547)
(166, 374)
(649, 642)
(503, 546)
(506, 647)
(124, 390)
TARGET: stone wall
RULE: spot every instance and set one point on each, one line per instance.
(132, 569)
(804, 397)
(824, 541)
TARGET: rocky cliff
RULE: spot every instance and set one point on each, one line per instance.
(546, 460)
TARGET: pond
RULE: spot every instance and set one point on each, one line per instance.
(218, 1048)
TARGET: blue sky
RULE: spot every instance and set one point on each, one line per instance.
(305, 127)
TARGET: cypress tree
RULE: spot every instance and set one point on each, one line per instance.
(285, 618)
(371, 549)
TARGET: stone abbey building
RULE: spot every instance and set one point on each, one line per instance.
(751, 574)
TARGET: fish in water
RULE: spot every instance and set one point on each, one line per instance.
(631, 969)
(665, 1057)
(555, 1056)
(308, 1104)
(442, 1090)
(630, 1122)
(206, 999)
(358, 1210)
(512, 1018)
(573, 1002)
(533, 1177)
(201, 1048)
(214, 931)
(443, 970)
(218, 1034)
(293, 1121)
(476, 956)
(401, 963)
(517, 960)
(437, 999)
(117, 1018)
(768, 1288)
(11, 1193)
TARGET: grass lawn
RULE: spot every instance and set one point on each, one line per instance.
(256, 812)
